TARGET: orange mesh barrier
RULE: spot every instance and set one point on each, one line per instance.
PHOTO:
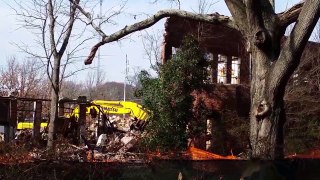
(198, 154)
(314, 154)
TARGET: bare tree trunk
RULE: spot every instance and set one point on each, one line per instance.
(272, 66)
(57, 56)
(54, 101)
(267, 119)
(267, 115)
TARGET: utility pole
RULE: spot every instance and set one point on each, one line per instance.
(125, 82)
(99, 55)
(125, 78)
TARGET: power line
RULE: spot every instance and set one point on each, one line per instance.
(125, 78)
(99, 55)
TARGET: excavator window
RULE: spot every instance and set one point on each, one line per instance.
(93, 113)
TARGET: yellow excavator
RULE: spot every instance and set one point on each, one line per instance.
(128, 108)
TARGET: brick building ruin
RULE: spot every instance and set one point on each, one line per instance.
(224, 47)
(229, 66)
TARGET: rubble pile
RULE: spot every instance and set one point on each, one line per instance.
(116, 146)
(117, 157)
(118, 142)
(114, 138)
(120, 123)
(118, 138)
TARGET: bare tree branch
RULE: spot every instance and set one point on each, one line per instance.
(89, 17)
(251, 11)
(172, 1)
(114, 13)
(292, 50)
(204, 6)
(238, 11)
(151, 44)
(69, 29)
(51, 28)
(215, 19)
(167, 13)
(75, 72)
(289, 16)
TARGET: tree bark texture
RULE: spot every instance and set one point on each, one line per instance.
(272, 67)
(267, 115)
(54, 102)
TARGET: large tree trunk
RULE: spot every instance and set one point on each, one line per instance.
(266, 134)
(54, 101)
(267, 115)
(272, 67)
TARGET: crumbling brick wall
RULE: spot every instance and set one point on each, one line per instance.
(229, 106)
(219, 97)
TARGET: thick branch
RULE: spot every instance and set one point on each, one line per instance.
(51, 29)
(89, 17)
(92, 54)
(259, 14)
(253, 12)
(69, 28)
(215, 19)
(238, 11)
(289, 16)
(167, 13)
(291, 52)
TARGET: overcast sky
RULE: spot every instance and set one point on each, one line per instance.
(113, 54)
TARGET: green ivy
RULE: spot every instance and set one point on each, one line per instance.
(169, 98)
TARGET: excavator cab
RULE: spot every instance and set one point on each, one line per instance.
(93, 113)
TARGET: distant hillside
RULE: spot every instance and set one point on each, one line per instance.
(114, 91)
(107, 91)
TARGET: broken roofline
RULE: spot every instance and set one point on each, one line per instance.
(216, 39)
(213, 38)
